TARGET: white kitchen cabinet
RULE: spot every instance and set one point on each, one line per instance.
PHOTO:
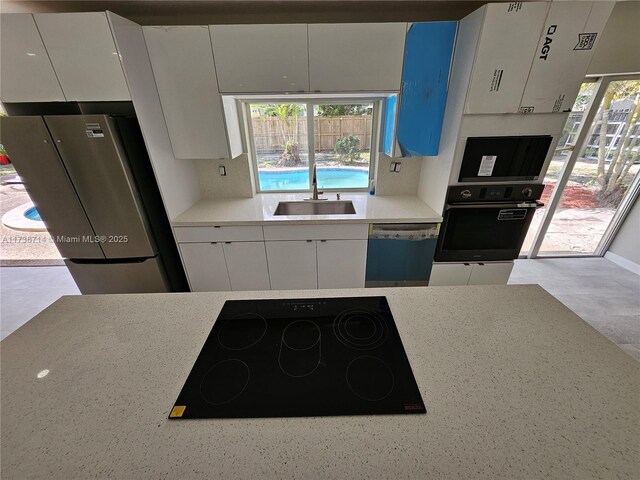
(493, 273)
(185, 75)
(450, 274)
(221, 233)
(356, 56)
(247, 265)
(292, 264)
(261, 58)
(26, 74)
(490, 273)
(341, 263)
(84, 56)
(505, 51)
(353, 231)
(569, 37)
(205, 266)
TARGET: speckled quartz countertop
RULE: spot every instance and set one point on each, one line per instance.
(259, 210)
(517, 387)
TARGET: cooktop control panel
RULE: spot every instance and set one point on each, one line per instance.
(494, 193)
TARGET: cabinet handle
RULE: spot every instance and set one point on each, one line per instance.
(228, 243)
(214, 243)
(309, 241)
(323, 241)
(216, 226)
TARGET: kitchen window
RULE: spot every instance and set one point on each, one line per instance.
(287, 139)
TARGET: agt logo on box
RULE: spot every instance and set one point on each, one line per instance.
(547, 42)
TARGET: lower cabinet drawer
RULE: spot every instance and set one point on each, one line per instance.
(231, 233)
(354, 231)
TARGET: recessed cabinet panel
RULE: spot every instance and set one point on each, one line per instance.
(445, 274)
(261, 58)
(506, 48)
(185, 75)
(569, 38)
(341, 263)
(356, 56)
(205, 266)
(490, 273)
(448, 274)
(292, 265)
(247, 265)
(26, 74)
(83, 55)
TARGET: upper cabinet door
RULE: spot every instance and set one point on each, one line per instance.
(569, 38)
(425, 79)
(182, 62)
(356, 56)
(507, 44)
(261, 58)
(83, 55)
(26, 73)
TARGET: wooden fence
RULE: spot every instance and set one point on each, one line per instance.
(270, 133)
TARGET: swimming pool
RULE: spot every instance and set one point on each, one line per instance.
(32, 214)
(298, 179)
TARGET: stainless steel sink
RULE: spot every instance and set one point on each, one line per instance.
(315, 208)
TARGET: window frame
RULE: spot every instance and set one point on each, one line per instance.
(310, 103)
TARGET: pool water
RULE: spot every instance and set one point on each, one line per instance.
(32, 214)
(327, 178)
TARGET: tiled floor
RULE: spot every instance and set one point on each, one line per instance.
(26, 291)
(602, 293)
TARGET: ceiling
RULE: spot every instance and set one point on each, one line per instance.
(202, 12)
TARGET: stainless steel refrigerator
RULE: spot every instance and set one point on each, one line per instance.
(90, 179)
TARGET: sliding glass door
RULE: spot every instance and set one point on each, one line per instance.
(593, 173)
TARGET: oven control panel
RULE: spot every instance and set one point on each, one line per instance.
(494, 193)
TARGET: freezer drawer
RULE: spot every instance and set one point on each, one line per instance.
(138, 276)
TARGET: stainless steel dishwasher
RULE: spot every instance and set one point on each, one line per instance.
(400, 254)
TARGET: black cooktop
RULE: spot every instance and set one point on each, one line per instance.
(301, 357)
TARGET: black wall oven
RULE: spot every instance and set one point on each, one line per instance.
(486, 222)
(504, 159)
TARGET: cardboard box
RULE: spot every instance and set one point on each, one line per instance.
(506, 47)
(570, 34)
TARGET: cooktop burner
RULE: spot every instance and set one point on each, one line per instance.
(302, 357)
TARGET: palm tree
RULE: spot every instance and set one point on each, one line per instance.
(609, 180)
(288, 114)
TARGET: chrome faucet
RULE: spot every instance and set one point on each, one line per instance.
(314, 186)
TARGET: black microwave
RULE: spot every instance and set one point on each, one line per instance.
(504, 159)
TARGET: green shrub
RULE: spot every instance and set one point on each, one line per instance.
(348, 148)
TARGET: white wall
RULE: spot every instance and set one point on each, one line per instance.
(626, 244)
(404, 182)
(618, 50)
(237, 182)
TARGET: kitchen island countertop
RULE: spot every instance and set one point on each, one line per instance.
(516, 387)
(259, 210)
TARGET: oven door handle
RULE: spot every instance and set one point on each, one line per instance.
(535, 204)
